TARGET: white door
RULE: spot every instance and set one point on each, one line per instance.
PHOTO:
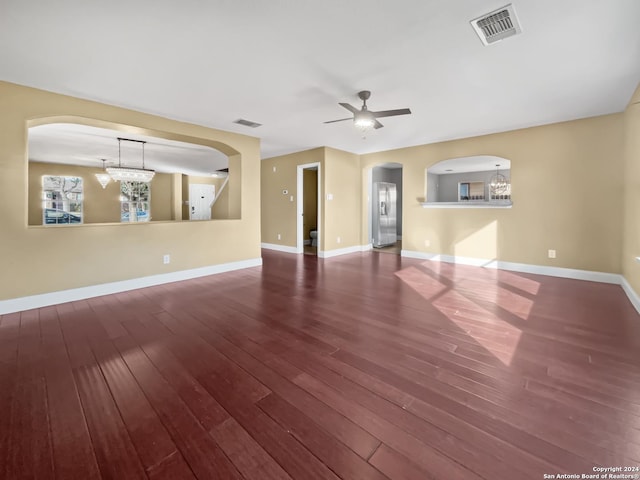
(201, 198)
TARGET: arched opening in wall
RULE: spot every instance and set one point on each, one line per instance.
(385, 208)
(84, 174)
(480, 181)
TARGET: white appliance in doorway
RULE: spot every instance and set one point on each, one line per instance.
(201, 197)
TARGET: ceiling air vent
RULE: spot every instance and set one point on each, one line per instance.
(497, 25)
(247, 123)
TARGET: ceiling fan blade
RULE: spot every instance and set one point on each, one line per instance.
(377, 124)
(391, 113)
(341, 120)
(351, 108)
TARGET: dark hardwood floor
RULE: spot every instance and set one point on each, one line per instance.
(364, 366)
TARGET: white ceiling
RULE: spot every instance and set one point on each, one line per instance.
(86, 146)
(287, 64)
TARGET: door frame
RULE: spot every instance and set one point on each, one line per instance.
(300, 206)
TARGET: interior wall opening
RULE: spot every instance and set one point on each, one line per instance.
(81, 174)
(385, 207)
(308, 223)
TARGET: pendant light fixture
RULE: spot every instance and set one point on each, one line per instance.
(498, 184)
(130, 174)
(103, 177)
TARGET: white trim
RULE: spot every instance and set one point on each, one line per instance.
(588, 275)
(467, 204)
(631, 294)
(343, 251)
(279, 248)
(54, 298)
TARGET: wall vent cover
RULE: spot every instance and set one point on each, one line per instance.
(497, 25)
(247, 123)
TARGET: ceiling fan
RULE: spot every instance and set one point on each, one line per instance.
(365, 118)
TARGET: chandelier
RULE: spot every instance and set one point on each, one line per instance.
(103, 177)
(498, 184)
(130, 174)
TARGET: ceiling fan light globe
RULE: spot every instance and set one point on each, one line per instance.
(363, 119)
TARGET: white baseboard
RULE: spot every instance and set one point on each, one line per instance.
(279, 248)
(343, 251)
(631, 294)
(588, 275)
(54, 298)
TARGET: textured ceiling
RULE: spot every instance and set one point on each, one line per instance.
(287, 64)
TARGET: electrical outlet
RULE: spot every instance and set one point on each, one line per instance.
(166, 259)
(552, 254)
(279, 237)
(338, 240)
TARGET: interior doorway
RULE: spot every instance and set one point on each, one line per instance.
(201, 197)
(308, 209)
(385, 208)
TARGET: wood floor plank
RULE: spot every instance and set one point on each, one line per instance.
(116, 455)
(399, 467)
(339, 426)
(74, 455)
(294, 458)
(425, 442)
(366, 365)
(335, 455)
(138, 415)
(246, 454)
(203, 455)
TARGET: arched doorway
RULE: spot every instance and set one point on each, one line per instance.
(385, 208)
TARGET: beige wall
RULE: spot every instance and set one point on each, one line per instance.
(631, 268)
(45, 259)
(342, 180)
(161, 196)
(339, 217)
(278, 211)
(567, 183)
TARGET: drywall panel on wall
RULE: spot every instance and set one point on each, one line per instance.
(567, 192)
(46, 259)
(342, 200)
(631, 248)
(279, 209)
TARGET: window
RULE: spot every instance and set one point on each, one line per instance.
(62, 200)
(135, 205)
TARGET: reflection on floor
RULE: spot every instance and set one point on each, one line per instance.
(309, 250)
(394, 249)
